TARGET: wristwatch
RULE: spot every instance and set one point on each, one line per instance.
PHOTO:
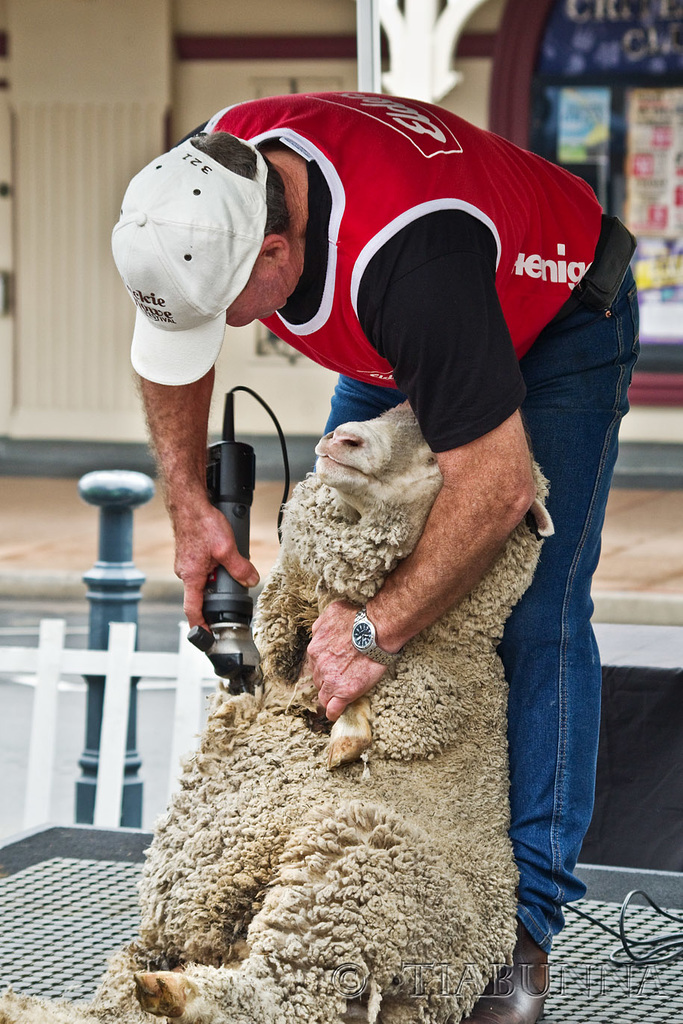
(364, 639)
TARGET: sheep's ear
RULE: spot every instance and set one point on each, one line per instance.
(541, 519)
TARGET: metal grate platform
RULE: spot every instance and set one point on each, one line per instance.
(586, 987)
(61, 919)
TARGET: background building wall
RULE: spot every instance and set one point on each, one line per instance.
(90, 90)
(96, 89)
(6, 239)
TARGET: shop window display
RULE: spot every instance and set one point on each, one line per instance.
(607, 104)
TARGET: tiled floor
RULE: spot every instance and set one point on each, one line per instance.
(47, 530)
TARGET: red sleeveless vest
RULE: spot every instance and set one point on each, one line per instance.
(388, 161)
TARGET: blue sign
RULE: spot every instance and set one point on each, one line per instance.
(615, 37)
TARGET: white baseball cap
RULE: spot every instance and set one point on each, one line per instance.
(187, 240)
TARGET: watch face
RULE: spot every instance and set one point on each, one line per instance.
(362, 635)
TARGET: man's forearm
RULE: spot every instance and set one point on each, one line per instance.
(178, 423)
(488, 487)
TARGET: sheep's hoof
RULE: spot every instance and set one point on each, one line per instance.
(345, 750)
(164, 993)
(351, 734)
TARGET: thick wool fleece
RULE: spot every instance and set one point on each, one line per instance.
(268, 873)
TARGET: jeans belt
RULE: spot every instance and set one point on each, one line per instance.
(599, 286)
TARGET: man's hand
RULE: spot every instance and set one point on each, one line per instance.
(487, 489)
(177, 419)
(204, 541)
(340, 672)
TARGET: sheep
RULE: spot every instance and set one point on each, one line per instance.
(278, 891)
(377, 472)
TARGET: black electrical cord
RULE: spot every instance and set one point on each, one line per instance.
(644, 952)
(283, 447)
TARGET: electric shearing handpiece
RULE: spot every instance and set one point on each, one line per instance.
(228, 607)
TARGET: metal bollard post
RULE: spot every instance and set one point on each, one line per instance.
(113, 592)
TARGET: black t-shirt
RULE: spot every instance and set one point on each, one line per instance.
(428, 304)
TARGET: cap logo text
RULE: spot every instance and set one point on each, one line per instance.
(152, 306)
(196, 161)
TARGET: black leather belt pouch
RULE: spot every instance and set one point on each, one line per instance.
(599, 286)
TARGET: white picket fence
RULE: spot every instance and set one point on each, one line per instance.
(187, 670)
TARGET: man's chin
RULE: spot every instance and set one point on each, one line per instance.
(240, 321)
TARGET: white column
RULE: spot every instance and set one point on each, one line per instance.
(368, 44)
(421, 45)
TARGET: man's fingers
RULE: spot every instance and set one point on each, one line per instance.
(335, 706)
(193, 601)
(241, 570)
(239, 567)
(223, 547)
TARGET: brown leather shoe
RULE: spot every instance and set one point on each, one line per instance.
(517, 994)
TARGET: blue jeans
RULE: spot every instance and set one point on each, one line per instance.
(577, 375)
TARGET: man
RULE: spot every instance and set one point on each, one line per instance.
(419, 257)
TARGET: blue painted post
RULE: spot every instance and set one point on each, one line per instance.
(113, 592)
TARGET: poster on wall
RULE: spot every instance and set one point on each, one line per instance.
(654, 208)
(658, 269)
(654, 162)
(583, 125)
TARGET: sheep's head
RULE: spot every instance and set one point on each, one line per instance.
(384, 461)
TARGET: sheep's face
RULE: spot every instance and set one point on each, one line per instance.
(380, 461)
